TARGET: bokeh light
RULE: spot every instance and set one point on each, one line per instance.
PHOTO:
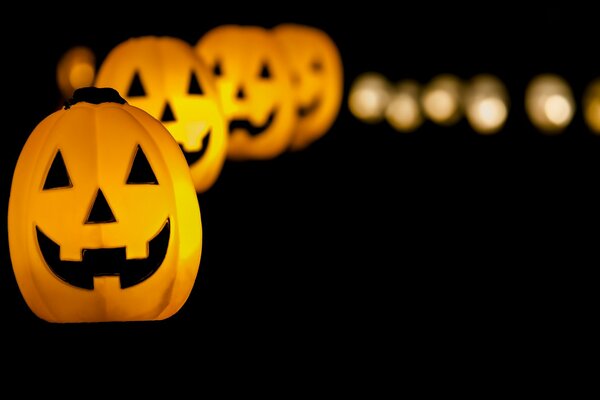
(486, 103)
(75, 69)
(591, 105)
(403, 112)
(441, 99)
(549, 103)
(369, 97)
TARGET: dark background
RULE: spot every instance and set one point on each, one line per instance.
(436, 245)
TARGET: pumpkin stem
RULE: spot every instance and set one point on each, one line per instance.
(94, 95)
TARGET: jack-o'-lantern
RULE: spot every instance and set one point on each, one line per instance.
(103, 218)
(254, 82)
(317, 75)
(163, 76)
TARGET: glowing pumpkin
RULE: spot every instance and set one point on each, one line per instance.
(163, 76)
(317, 74)
(253, 80)
(103, 219)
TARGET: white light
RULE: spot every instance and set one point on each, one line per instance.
(486, 103)
(442, 99)
(440, 105)
(558, 110)
(403, 112)
(369, 97)
(549, 103)
(492, 112)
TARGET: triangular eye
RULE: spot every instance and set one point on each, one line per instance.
(217, 69)
(57, 177)
(316, 65)
(136, 89)
(195, 87)
(141, 172)
(265, 72)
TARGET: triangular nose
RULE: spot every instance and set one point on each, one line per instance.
(240, 94)
(167, 115)
(100, 212)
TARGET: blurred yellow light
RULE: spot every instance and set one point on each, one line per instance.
(440, 105)
(369, 97)
(82, 75)
(486, 104)
(491, 111)
(442, 99)
(75, 69)
(549, 103)
(404, 111)
(591, 106)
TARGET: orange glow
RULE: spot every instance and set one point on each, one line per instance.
(403, 112)
(369, 97)
(591, 106)
(486, 104)
(549, 103)
(75, 69)
(441, 99)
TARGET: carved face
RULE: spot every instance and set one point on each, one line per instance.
(317, 75)
(103, 218)
(253, 80)
(164, 77)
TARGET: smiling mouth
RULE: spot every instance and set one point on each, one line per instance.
(304, 111)
(248, 127)
(192, 156)
(105, 262)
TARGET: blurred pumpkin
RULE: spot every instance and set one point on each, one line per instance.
(163, 76)
(317, 75)
(252, 76)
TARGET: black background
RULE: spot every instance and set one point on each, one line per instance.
(370, 242)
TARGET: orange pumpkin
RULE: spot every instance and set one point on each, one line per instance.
(103, 218)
